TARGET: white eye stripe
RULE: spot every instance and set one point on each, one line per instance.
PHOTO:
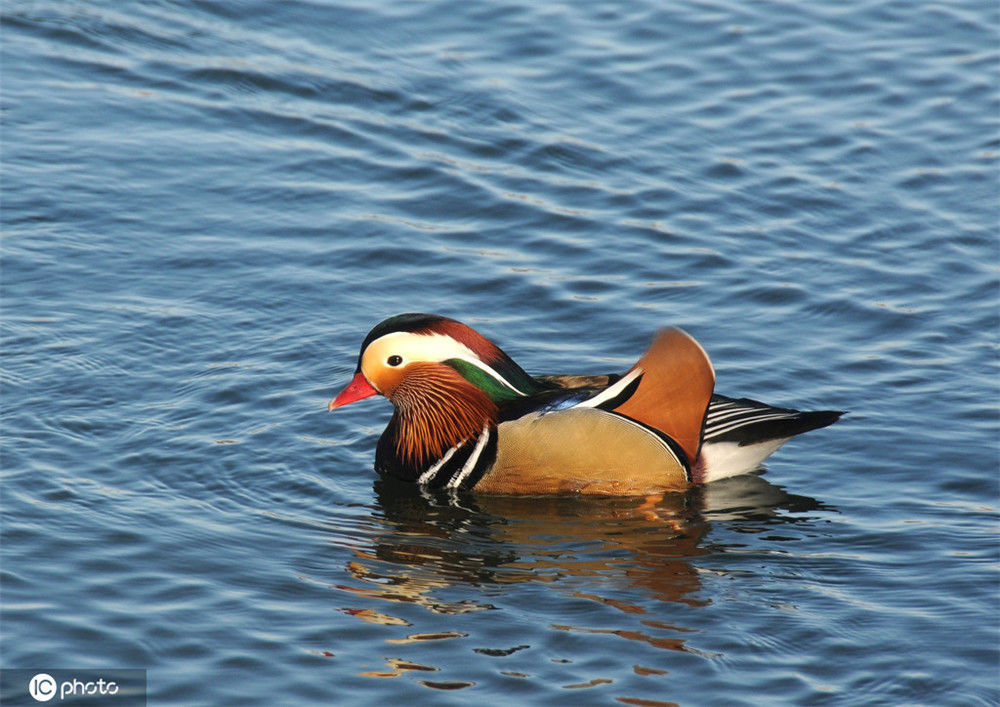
(483, 367)
(432, 348)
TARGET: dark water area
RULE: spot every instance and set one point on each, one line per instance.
(206, 205)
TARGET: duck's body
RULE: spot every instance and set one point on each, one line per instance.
(468, 417)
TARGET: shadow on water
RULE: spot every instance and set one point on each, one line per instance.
(424, 543)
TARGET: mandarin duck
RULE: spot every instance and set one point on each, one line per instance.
(466, 416)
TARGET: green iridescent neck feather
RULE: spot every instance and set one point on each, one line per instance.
(519, 383)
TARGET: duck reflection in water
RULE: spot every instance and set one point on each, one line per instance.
(424, 542)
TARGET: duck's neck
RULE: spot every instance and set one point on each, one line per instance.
(436, 411)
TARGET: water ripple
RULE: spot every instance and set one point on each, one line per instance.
(205, 209)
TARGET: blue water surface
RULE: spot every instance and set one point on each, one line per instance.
(206, 205)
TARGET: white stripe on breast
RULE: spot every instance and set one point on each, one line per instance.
(456, 481)
(429, 474)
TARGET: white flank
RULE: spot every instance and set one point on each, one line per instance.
(724, 459)
(610, 392)
(456, 481)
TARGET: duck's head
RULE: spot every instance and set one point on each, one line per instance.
(446, 382)
(410, 358)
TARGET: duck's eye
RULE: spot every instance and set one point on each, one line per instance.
(394, 360)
